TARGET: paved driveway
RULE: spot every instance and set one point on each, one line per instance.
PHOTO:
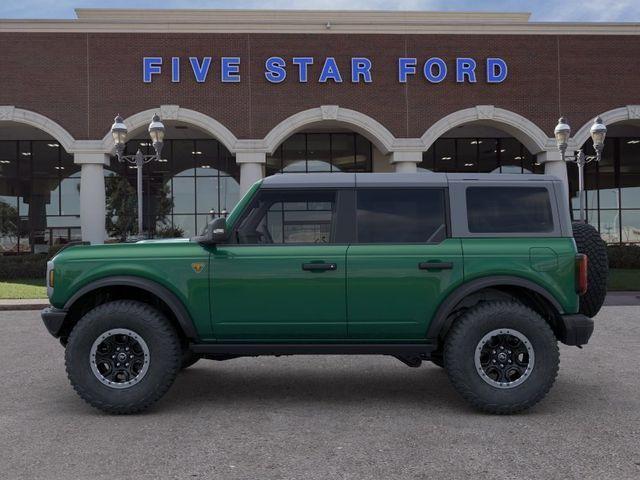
(322, 418)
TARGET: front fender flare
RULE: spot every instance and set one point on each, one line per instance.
(173, 302)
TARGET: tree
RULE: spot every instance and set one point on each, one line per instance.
(122, 207)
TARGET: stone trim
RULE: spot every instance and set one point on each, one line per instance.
(10, 113)
(532, 136)
(621, 114)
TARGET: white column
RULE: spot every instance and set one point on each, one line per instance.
(251, 168)
(406, 162)
(554, 165)
(92, 195)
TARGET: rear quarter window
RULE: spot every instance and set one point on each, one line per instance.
(509, 210)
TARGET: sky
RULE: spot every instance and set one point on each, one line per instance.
(542, 10)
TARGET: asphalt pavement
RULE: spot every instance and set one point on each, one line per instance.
(331, 417)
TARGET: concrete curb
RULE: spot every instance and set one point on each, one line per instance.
(23, 304)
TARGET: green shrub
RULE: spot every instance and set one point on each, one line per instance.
(624, 256)
(23, 266)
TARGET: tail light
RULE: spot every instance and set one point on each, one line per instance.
(582, 262)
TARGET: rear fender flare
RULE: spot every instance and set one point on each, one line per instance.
(441, 320)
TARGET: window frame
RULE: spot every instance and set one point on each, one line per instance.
(338, 234)
(445, 204)
(460, 218)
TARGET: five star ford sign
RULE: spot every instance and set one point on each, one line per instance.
(361, 69)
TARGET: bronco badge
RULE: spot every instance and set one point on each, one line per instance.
(197, 267)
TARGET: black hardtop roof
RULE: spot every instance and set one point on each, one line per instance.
(418, 179)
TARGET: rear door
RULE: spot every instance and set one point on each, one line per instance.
(285, 277)
(402, 264)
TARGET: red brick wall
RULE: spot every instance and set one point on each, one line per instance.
(82, 80)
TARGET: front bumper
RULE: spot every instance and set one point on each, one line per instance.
(53, 319)
(575, 329)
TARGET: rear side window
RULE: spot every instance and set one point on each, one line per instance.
(509, 210)
(389, 215)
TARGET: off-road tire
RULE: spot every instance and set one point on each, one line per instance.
(188, 358)
(589, 242)
(463, 340)
(164, 356)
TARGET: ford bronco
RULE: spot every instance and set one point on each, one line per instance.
(477, 273)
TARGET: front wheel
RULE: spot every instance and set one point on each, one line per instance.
(122, 356)
(502, 357)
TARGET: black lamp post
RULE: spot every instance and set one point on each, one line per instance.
(598, 132)
(156, 132)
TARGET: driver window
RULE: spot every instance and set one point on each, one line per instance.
(281, 217)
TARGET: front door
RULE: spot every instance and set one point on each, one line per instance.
(284, 277)
(402, 265)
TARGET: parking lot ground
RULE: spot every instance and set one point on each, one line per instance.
(324, 418)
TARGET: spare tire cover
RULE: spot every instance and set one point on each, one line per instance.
(589, 242)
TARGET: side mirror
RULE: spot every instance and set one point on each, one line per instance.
(216, 232)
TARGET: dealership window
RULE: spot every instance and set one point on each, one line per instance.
(485, 155)
(401, 215)
(39, 196)
(509, 210)
(195, 178)
(289, 217)
(612, 190)
(321, 152)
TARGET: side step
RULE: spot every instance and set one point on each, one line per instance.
(249, 349)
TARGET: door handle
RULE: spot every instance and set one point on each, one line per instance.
(435, 265)
(318, 267)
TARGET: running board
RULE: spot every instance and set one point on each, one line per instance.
(250, 349)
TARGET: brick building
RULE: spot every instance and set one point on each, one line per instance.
(245, 94)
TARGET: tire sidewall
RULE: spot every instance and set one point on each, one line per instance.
(460, 357)
(140, 319)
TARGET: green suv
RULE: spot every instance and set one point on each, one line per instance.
(479, 274)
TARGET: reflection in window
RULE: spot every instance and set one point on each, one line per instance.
(612, 188)
(39, 196)
(289, 217)
(484, 155)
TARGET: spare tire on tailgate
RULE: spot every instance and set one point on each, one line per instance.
(589, 242)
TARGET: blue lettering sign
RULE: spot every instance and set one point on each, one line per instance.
(275, 69)
(465, 67)
(150, 66)
(360, 67)
(330, 71)
(496, 70)
(428, 70)
(230, 69)
(175, 69)
(200, 70)
(303, 67)
(406, 66)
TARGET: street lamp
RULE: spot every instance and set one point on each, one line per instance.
(119, 133)
(598, 132)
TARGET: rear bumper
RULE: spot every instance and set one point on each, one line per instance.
(576, 329)
(53, 319)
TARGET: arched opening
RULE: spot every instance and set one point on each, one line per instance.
(323, 148)
(613, 185)
(328, 139)
(39, 190)
(196, 178)
(479, 147)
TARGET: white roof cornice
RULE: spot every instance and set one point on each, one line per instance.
(308, 21)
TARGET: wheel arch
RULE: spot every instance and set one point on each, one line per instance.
(535, 296)
(165, 298)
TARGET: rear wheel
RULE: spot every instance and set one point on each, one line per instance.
(589, 242)
(502, 357)
(122, 356)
